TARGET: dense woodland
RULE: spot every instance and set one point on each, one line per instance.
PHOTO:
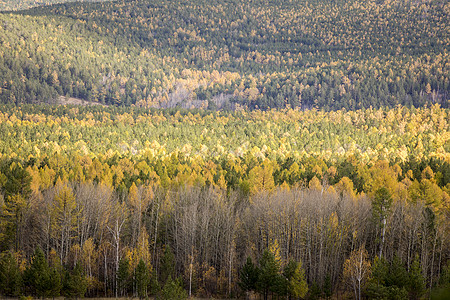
(226, 53)
(131, 201)
(313, 161)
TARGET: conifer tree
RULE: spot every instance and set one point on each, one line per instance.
(123, 277)
(142, 279)
(248, 276)
(75, 283)
(173, 290)
(167, 264)
(37, 275)
(10, 276)
(416, 280)
(269, 279)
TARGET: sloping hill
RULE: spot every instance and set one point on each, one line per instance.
(10, 5)
(260, 54)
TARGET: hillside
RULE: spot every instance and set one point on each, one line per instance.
(10, 5)
(225, 53)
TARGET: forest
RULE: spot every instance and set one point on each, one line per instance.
(226, 54)
(260, 149)
(127, 201)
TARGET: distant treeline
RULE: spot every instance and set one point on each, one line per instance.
(226, 54)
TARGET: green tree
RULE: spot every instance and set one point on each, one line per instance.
(155, 288)
(248, 276)
(388, 281)
(416, 280)
(54, 283)
(123, 276)
(269, 279)
(18, 181)
(10, 275)
(75, 283)
(173, 290)
(167, 264)
(16, 190)
(142, 279)
(37, 275)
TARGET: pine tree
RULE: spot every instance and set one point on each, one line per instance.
(381, 206)
(142, 279)
(173, 290)
(10, 276)
(75, 283)
(248, 276)
(54, 283)
(37, 275)
(123, 277)
(416, 280)
(269, 279)
(167, 264)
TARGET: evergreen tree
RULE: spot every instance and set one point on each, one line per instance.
(248, 276)
(54, 283)
(142, 279)
(123, 277)
(155, 288)
(167, 264)
(269, 279)
(16, 190)
(10, 276)
(327, 287)
(75, 283)
(389, 280)
(416, 280)
(173, 290)
(381, 206)
(37, 275)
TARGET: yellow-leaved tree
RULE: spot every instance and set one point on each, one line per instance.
(357, 270)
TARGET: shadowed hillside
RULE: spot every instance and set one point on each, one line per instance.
(220, 54)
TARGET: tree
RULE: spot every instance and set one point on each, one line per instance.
(16, 190)
(123, 277)
(416, 281)
(64, 212)
(173, 290)
(248, 277)
(10, 275)
(142, 279)
(269, 279)
(167, 264)
(12, 220)
(297, 285)
(54, 283)
(381, 206)
(75, 283)
(118, 222)
(357, 270)
(389, 280)
(37, 275)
